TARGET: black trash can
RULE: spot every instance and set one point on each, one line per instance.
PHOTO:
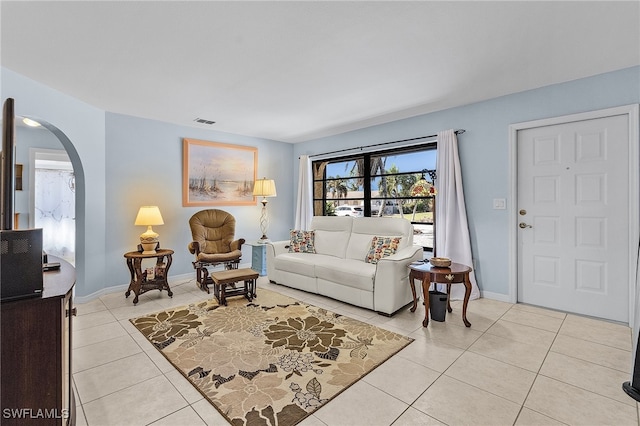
(438, 305)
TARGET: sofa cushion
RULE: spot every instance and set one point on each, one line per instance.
(219, 257)
(386, 226)
(297, 263)
(382, 247)
(331, 234)
(331, 243)
(302, 242)
(359, 245)
(347, 272)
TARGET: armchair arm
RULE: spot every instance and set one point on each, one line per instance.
(237, 244)
(194, 247)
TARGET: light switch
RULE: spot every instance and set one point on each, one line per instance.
(499, 204)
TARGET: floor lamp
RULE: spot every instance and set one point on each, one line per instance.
(264, 188)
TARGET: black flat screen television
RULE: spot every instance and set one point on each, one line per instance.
(20, 250)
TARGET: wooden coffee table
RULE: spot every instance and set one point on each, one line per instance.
(223, 278)
(457, 273)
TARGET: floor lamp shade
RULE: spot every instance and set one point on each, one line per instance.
(149, 216)
(264, 188)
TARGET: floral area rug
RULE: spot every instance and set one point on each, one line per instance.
(272, 361)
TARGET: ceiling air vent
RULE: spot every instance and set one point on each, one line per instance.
(203, 121)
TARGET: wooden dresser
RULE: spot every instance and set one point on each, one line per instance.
(35, 364)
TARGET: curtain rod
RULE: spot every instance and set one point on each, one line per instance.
(457, 132)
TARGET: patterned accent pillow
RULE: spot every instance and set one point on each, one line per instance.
(382, 247)
(302, 241)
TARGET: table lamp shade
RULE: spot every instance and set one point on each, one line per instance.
(148, 216)
(264, 188)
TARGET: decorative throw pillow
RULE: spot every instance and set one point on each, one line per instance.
(381, 247)
(302, 242)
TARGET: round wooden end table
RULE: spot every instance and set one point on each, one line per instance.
(140, 283)
(457, 273)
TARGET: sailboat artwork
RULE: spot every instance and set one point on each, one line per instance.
(218, 174)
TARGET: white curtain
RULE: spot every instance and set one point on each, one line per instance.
(304, 203)
(55, 211)
(452, 229)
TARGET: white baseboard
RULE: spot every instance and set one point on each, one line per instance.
(182, 277)
(108, 290)
(123, 287)
(495, 296)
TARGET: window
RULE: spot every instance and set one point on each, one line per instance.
(54, 206)
(393, 183)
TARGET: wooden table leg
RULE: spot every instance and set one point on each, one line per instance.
(132, 272)
(137, 266)
(467, 294)
(413, 291)
(449, 298)
(165, 279)
(426, 283)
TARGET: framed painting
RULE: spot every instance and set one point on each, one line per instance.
(217, 174)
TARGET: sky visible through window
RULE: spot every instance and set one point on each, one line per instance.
(404, 162)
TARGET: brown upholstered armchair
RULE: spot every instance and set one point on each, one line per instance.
(213, 243)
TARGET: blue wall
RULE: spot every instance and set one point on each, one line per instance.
(112, 150)
(484, 152)
(82, 128)
(144, 167)
(109, 152)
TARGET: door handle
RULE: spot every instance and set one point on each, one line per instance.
(523, 225)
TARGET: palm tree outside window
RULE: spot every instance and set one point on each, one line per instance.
(381, 184)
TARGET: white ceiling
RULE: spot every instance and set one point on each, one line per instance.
(294, 71)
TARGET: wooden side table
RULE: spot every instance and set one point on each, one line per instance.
(139, 283)
(457, 273)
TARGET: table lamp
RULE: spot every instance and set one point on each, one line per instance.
(264, 188)
(148, 216)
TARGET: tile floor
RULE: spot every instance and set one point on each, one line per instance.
(516, 365)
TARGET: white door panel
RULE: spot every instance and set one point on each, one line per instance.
(573, 183)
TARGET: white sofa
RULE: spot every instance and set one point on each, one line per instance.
(338, 269)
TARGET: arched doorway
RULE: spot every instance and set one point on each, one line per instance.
(52, 139)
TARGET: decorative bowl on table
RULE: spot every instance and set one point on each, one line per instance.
(440, 262)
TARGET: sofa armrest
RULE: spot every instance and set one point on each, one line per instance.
(275, 248)
(403, 255)
(391, 286)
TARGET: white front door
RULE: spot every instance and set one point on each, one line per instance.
(573, 235)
